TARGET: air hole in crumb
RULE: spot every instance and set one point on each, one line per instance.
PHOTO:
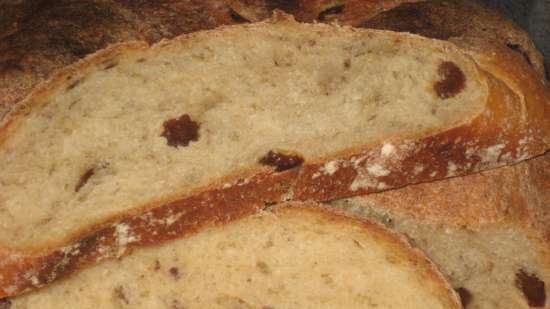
(532, 287)
(263, 267)
(269, 204)
(237, 17)
(109, 65)
(517, 48)
(5, 303)
(452, 80)
(465, 296)
(121, 295)
(84, 179)
(157, 265)
(74, 84)
(281, 162)
(333, 10)
(141, 60)
(176, 304)
(347, 63)
(73, 103)
(180, 131)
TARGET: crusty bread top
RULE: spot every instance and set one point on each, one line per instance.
(291, 256)
(458, 20)
(60, 32)
(315, 90)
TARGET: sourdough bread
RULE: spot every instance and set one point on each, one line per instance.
(154, 132)
(286, 257)
(488, 233)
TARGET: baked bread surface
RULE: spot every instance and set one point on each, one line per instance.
(290, 256)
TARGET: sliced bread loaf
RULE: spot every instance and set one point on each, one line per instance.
(295, 256)
(488, 233)
(133, 137)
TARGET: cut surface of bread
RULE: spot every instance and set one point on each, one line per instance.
(288, 257)
(110, 137)
(488, 233)
(156, 122)
(332, 111)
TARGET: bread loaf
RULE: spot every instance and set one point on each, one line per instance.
(488, 233)
(154, 132)
(296, 256)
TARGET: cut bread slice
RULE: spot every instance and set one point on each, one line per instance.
(133, 137)
(298, 256)
(488, 233)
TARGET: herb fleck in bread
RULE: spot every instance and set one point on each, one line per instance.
(154, 132)
(488, 233)
(288, 257)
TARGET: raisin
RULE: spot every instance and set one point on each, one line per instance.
(84, 179)
(532, 287)
(180, 131)
(281, 162)
(452, 82)
(175, 272)
(5, 303)
(465, 296)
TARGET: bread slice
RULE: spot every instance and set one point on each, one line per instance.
(290, 256)
(488, 233)
(313, 112)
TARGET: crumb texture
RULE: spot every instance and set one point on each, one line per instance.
(161, 122)
(288, 258)
(491, 265)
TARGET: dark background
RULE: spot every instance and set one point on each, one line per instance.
(531, 15)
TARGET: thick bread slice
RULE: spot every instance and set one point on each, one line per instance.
(119, 129)
(298, 256)
(488, 233)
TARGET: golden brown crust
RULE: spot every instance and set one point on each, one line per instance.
(460, 151)
(494, 196)
(22, 272)
(505, 133)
